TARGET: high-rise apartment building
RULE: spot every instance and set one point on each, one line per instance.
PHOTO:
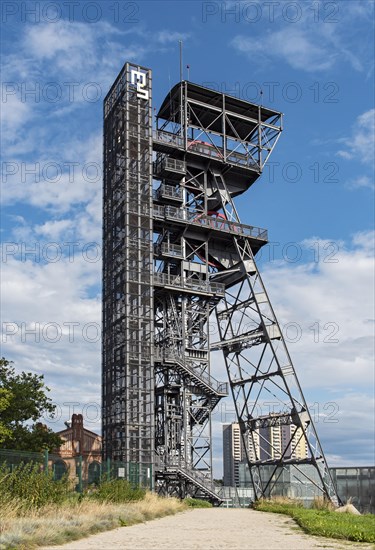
(267, 443)
(233, 453)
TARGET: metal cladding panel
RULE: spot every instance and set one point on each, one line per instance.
(128, 377)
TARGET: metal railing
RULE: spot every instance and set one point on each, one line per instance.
(213, 151)
(199, 479)
(242, 159)
(169, 164)
(207, 149)
(196, 477)
(164, 279)
(211, 222)
(218, 387)
(168, 191)
(168, 138)
(173, 250)
(215, 385)
(139, 276)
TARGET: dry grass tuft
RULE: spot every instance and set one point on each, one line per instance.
(57, 524)
(322, 503)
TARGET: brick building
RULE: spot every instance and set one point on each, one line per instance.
(80, 445)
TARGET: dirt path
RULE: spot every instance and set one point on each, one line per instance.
(210, 529)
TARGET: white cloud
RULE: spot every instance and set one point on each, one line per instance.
(318, 41)
(336, 292)
(54, 290)
(167, 37)
(360, 147)
(344, 154)
(361, 182)
(365, 240)
(83, 52)
(54, 229)
(58, 184)
(294, 46)
(51, 323)
(361, 143)
(15, 114)
(58, 69)
(354, 422)
(47, 41)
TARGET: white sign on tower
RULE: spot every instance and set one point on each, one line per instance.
(139, 79)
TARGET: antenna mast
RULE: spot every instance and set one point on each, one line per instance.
(181, 70)
(182, 120)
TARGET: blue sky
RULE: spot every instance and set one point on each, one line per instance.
(311, 60)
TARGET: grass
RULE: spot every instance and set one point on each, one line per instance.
(74, 519)
(117, 490)
(36, 510)
(322, 520)
(197, 503)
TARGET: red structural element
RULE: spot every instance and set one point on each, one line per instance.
(199, 146)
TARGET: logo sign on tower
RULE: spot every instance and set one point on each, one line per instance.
(139, 79)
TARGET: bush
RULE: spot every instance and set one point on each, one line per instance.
(197, 503)
(31, 487)
(116, 491)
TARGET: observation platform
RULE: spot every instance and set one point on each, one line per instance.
(205, 127)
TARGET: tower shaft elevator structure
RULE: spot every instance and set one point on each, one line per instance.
(183, 301)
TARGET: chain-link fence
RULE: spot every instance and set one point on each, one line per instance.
(138, 475)
(84, 471)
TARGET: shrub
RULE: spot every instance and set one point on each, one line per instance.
(117, 490)
(30, 486)
(197, 503)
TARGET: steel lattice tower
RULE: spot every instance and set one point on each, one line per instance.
(177, 262)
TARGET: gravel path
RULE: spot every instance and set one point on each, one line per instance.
(210, 529)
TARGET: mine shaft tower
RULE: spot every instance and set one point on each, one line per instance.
(183, 300)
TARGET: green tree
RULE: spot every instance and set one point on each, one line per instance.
(23, 401)
(5, 397)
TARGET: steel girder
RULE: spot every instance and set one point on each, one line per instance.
(227, 143)
(260, 370)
